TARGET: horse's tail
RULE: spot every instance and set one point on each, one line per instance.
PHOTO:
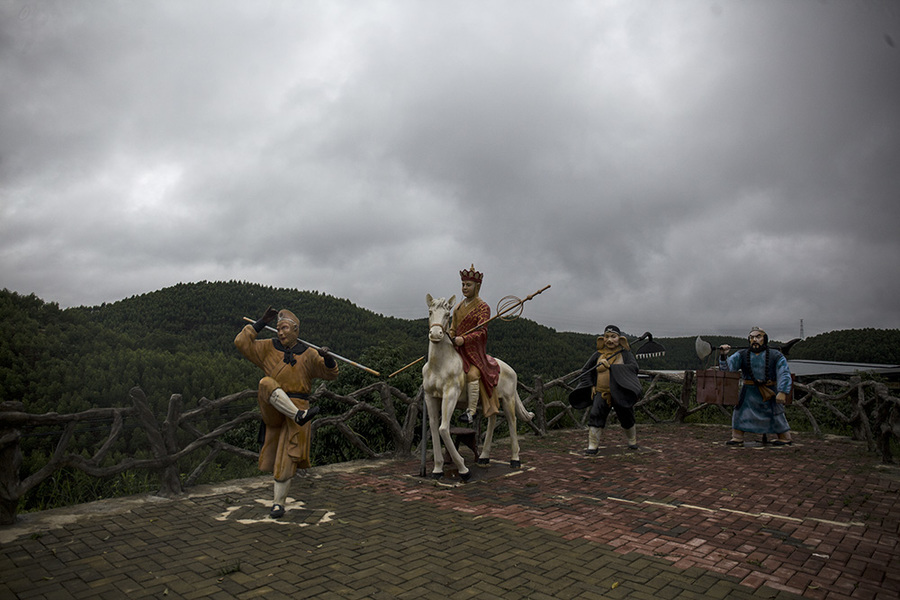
(521, 412)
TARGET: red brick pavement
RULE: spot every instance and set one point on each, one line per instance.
(819, 518)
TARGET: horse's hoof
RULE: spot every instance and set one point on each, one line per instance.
(515, 464)
(437, 475)
(466, 476)
(484, 462)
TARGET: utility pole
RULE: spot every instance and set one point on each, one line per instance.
(801, 329)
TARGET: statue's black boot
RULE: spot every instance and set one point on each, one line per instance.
(304, 416)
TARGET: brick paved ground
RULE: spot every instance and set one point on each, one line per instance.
(685, 517)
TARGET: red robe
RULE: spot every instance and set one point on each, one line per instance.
(474, 349)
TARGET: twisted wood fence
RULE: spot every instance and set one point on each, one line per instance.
(866, 406)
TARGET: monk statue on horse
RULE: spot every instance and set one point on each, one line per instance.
(459, 371)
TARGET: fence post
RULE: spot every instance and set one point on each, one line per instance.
(540, 411)
(10, 462)
(685, 404)
(170, 425)
(169, 479)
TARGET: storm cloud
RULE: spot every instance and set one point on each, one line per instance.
(695, 167)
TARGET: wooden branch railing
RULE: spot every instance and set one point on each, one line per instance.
(872, 413)
(387, 414)
(161, 438)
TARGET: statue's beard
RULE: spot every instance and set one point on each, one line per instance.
(756, 347)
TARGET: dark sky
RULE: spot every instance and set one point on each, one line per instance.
(687, 168)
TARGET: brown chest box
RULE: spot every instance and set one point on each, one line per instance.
(723, 387)
(718, 387)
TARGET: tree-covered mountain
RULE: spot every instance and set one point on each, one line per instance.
(878, 346)
(180, 340)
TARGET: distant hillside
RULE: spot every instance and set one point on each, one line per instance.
(880, 346)
(204, 317)
(180, 340)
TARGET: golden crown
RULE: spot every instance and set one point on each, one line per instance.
(471, 275)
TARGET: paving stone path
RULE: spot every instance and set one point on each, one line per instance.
(684, 517)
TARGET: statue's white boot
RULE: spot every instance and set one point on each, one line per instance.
(472, 392)
(593, 440)
(281, 492)
(631, 437)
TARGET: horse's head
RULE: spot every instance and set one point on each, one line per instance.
(439, 313)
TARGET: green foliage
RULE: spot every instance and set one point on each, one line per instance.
(180, 340)
(72, 486)
(681, 353)
(245, 435)
(878, 346)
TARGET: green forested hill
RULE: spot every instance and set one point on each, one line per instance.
(204, 317)
(180, 340)
(879, 346)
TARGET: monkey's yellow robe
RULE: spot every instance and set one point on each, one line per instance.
(286, 446)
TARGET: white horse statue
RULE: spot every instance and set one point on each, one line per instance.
(443, 382)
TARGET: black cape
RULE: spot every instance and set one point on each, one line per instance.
(624, 385)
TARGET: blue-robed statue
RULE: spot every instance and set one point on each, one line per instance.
(765, 387)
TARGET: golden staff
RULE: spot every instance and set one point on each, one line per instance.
(509, 304)
(509, 308)
(420, 359)
(337, 356)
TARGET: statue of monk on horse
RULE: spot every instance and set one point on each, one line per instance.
(460, 371)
